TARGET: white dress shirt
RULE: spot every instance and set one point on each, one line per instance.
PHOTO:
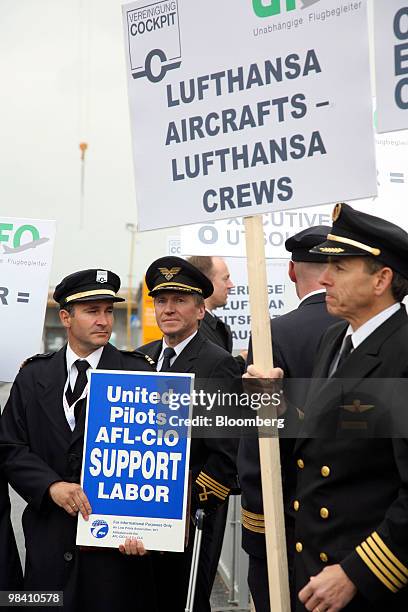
(72, 374)
(178, 348)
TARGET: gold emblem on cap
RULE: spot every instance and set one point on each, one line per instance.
(359, 245)
(168, 274)
(333, 250)
(336, 212)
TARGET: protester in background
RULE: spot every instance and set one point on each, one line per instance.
(295, 338)
(212, 327)
(216, 330)
(41, 444)
(179, 290)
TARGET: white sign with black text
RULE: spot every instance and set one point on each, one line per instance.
(236, 313)
(279, 118)
(391, 61)
(227, 238)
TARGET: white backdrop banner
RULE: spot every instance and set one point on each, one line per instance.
(227, 238)
(26, 247)
(281, 297)
(278, 118)
(391, 61)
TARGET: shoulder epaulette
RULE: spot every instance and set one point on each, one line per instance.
(149, 360)
(37, 356)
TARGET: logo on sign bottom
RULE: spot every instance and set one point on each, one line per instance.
(99, 529)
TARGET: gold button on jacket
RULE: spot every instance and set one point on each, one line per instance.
(296, 505)
(324, 557)
(299, 547)
(324, 513)
(300, 464)
(325, 471)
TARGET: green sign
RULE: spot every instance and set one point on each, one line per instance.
(273, 8)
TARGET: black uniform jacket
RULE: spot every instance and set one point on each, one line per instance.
(212, 460)
(351, 501)
(295, 339)
(215, 330)
(11, 577)
(38, 448)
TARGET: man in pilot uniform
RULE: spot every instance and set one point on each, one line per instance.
(351, 506)
(295, 339)
(179, 290)
(41, 444)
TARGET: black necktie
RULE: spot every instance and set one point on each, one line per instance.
(347, 348)
(167, 355)
(81, 365)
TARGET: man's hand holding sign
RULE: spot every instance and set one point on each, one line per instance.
(71, 498)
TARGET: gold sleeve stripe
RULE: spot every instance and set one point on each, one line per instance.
(254, 523)
(381, 566)
(375, 571)
(200, 480)
(203, 481)
(252, 514)
(253, 528)
(208, 490)
(215, 483)
(386, 561)
(250, 519)
(389, 554)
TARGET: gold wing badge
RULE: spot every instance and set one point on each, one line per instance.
(357, 407)
(169, 274)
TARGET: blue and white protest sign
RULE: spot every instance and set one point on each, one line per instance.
(136, 458)
(391, 64)
(241, 108)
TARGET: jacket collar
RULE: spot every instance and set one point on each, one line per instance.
(361, 363)
(52, 384)
(315, 298)
(211, 319)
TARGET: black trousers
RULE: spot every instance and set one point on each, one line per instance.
(258, 574)
(220, 520)
(172, 570)
(112, 582)
(258, 583)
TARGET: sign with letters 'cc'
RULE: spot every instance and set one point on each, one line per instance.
(391, 61)
(240, 108)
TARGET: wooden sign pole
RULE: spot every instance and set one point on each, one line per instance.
(268, 446)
